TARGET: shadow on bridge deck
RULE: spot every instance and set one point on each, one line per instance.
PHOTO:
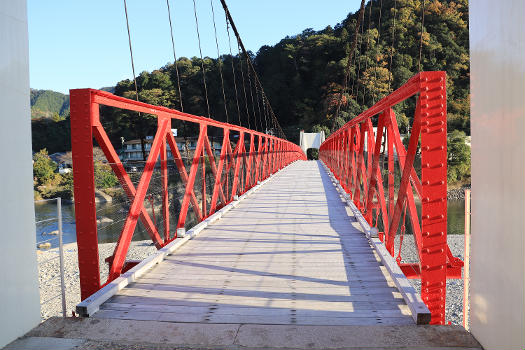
(287, 269)
(289, 254)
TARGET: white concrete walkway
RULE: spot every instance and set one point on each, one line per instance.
(289, 254)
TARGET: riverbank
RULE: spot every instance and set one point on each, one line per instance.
(49, 274)
(454, 309)
(457, 193)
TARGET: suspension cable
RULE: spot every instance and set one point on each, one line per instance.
(175, 57)
(175, 63)
(421, 36)
(348, 62)
(233, 71)
(367, 45)
(377, 45)
(219, 60)
(240, 43)
(358, 88)
(244, 87)
(392, 47)
(131, 52)
(258, 106)
(265, 113)
(202, 60)
(251, 94)
(355, 76)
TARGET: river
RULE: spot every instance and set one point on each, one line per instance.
(115, 215)
(46, 223)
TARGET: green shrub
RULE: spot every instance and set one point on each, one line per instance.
(458, 157)
(43, 167)
(104, 176)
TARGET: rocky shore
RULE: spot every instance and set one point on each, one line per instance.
(456, 193)
(49, 274)
(454, 309)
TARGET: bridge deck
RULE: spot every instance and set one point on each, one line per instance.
(288, 254)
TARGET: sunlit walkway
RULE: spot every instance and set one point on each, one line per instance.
(289, 254)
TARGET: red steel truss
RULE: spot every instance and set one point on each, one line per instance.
(271, 155)
(356, 155)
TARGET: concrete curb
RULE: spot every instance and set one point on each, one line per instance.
(420, 312)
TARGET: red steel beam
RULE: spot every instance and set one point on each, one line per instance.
(344, 153)
(85, 125)
(137, 205)
(82, 112)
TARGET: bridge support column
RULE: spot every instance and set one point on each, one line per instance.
(497, 279)
(83, 115)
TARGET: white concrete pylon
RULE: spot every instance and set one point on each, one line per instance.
(311, 140)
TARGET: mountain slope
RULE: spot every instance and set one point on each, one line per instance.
(48, 103)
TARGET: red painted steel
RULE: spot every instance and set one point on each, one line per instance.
(356, 155)
(269, 155)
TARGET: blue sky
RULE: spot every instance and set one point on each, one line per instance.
(77, 44)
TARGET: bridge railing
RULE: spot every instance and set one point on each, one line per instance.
(392, 184)
(246, 157)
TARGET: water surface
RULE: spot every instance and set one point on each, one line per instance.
(110, 231)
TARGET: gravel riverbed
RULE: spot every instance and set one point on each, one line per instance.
(454, 308)
(49, 274)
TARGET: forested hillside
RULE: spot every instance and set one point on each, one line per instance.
(48, 104)
(303, 74)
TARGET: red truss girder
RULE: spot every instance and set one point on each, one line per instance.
(266, 155)
(353, 154)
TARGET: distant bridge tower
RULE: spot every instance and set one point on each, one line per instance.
(311, 140)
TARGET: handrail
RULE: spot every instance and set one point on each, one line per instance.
(356, 156)
(266, 155)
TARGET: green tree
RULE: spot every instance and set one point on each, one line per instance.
(302, 76)
(458, 157)
(104, 176)
(319, 128)
(43, 167)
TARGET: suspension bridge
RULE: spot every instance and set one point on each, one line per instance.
(253, 233)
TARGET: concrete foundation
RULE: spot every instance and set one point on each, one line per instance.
(85, 333)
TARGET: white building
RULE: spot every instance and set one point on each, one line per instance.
(132, 150)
